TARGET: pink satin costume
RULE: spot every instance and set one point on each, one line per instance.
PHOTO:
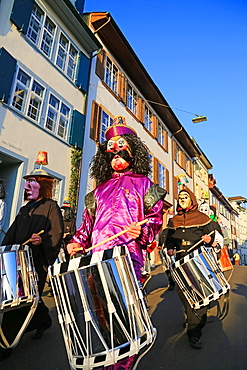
(116, 203)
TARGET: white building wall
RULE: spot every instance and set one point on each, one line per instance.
(20, 137)
(99, 93)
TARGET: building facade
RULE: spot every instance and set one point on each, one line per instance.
(120, 85)
(45, 57)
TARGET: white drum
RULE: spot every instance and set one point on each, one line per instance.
(200, 278)
(101, 309)
(18, 292)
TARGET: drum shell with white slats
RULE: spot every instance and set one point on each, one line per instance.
(200, 278)
(101, 309)
(18, 292)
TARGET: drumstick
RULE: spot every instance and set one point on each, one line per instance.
(115, 236)
(41, 232)
(193, 246)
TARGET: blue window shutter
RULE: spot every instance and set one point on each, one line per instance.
(7, 70)
(83, 72)
(79, 4)
(77, 129)
(21, 13)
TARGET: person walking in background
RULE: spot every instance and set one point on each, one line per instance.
(165, 263)
(236, 259)
(184, 230)
(40, 213)
(69, 224)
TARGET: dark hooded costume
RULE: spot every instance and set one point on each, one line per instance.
(187, 226)
(184, 230)
(43, 214)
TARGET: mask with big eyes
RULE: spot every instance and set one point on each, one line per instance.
(118, 153)
(184, 200)
(204, 208)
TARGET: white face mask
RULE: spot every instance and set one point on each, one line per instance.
(204, 208)
(184, 200)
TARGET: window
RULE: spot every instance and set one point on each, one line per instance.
(41, 30)
(162, 136)
(56, 189)
(151, 175)
(188, 166)
(132, 99)
(28, 95)
(58, 117)
(161, 175)
(176, 153)
(106, 121)
(66, 56)
(111, 73)
(148, 119)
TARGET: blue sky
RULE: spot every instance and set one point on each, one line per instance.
(196, 53)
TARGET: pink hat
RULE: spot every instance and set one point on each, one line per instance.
(118, 128)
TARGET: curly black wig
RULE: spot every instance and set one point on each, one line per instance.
(100, 166)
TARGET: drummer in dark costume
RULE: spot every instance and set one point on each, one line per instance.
(123, 197)
(40, 213)
(184, 230)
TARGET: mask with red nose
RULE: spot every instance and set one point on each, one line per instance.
(119, 153)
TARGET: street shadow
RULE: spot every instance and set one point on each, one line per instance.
(171, 349)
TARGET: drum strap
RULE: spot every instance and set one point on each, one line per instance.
(222, 313)
(3, 338)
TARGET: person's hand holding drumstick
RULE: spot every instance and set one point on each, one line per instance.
(134, 230)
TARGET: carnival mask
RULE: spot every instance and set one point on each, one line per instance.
(31, 188)
(204, 208)
(184, 200)
(119, 153)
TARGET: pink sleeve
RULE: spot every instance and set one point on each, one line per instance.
(83, 233)
(152, 227)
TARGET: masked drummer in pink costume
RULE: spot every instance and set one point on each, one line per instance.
(184, 230)
(123, 197)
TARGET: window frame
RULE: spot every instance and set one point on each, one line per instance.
(29, 93)
(162, 135)
(131, 99)
(41, 24)
(59, 116)
(67, 58)
(148, 122)
(111, 73)
(103, 126)
(71, 53)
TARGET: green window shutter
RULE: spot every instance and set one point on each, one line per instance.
(7, 70)
(83, 72)
(77, 129)
(21, 13)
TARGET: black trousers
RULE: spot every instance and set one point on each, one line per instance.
(196, 318)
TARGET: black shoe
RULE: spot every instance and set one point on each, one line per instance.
(195, 342)
(40, 331)
(5, 353)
